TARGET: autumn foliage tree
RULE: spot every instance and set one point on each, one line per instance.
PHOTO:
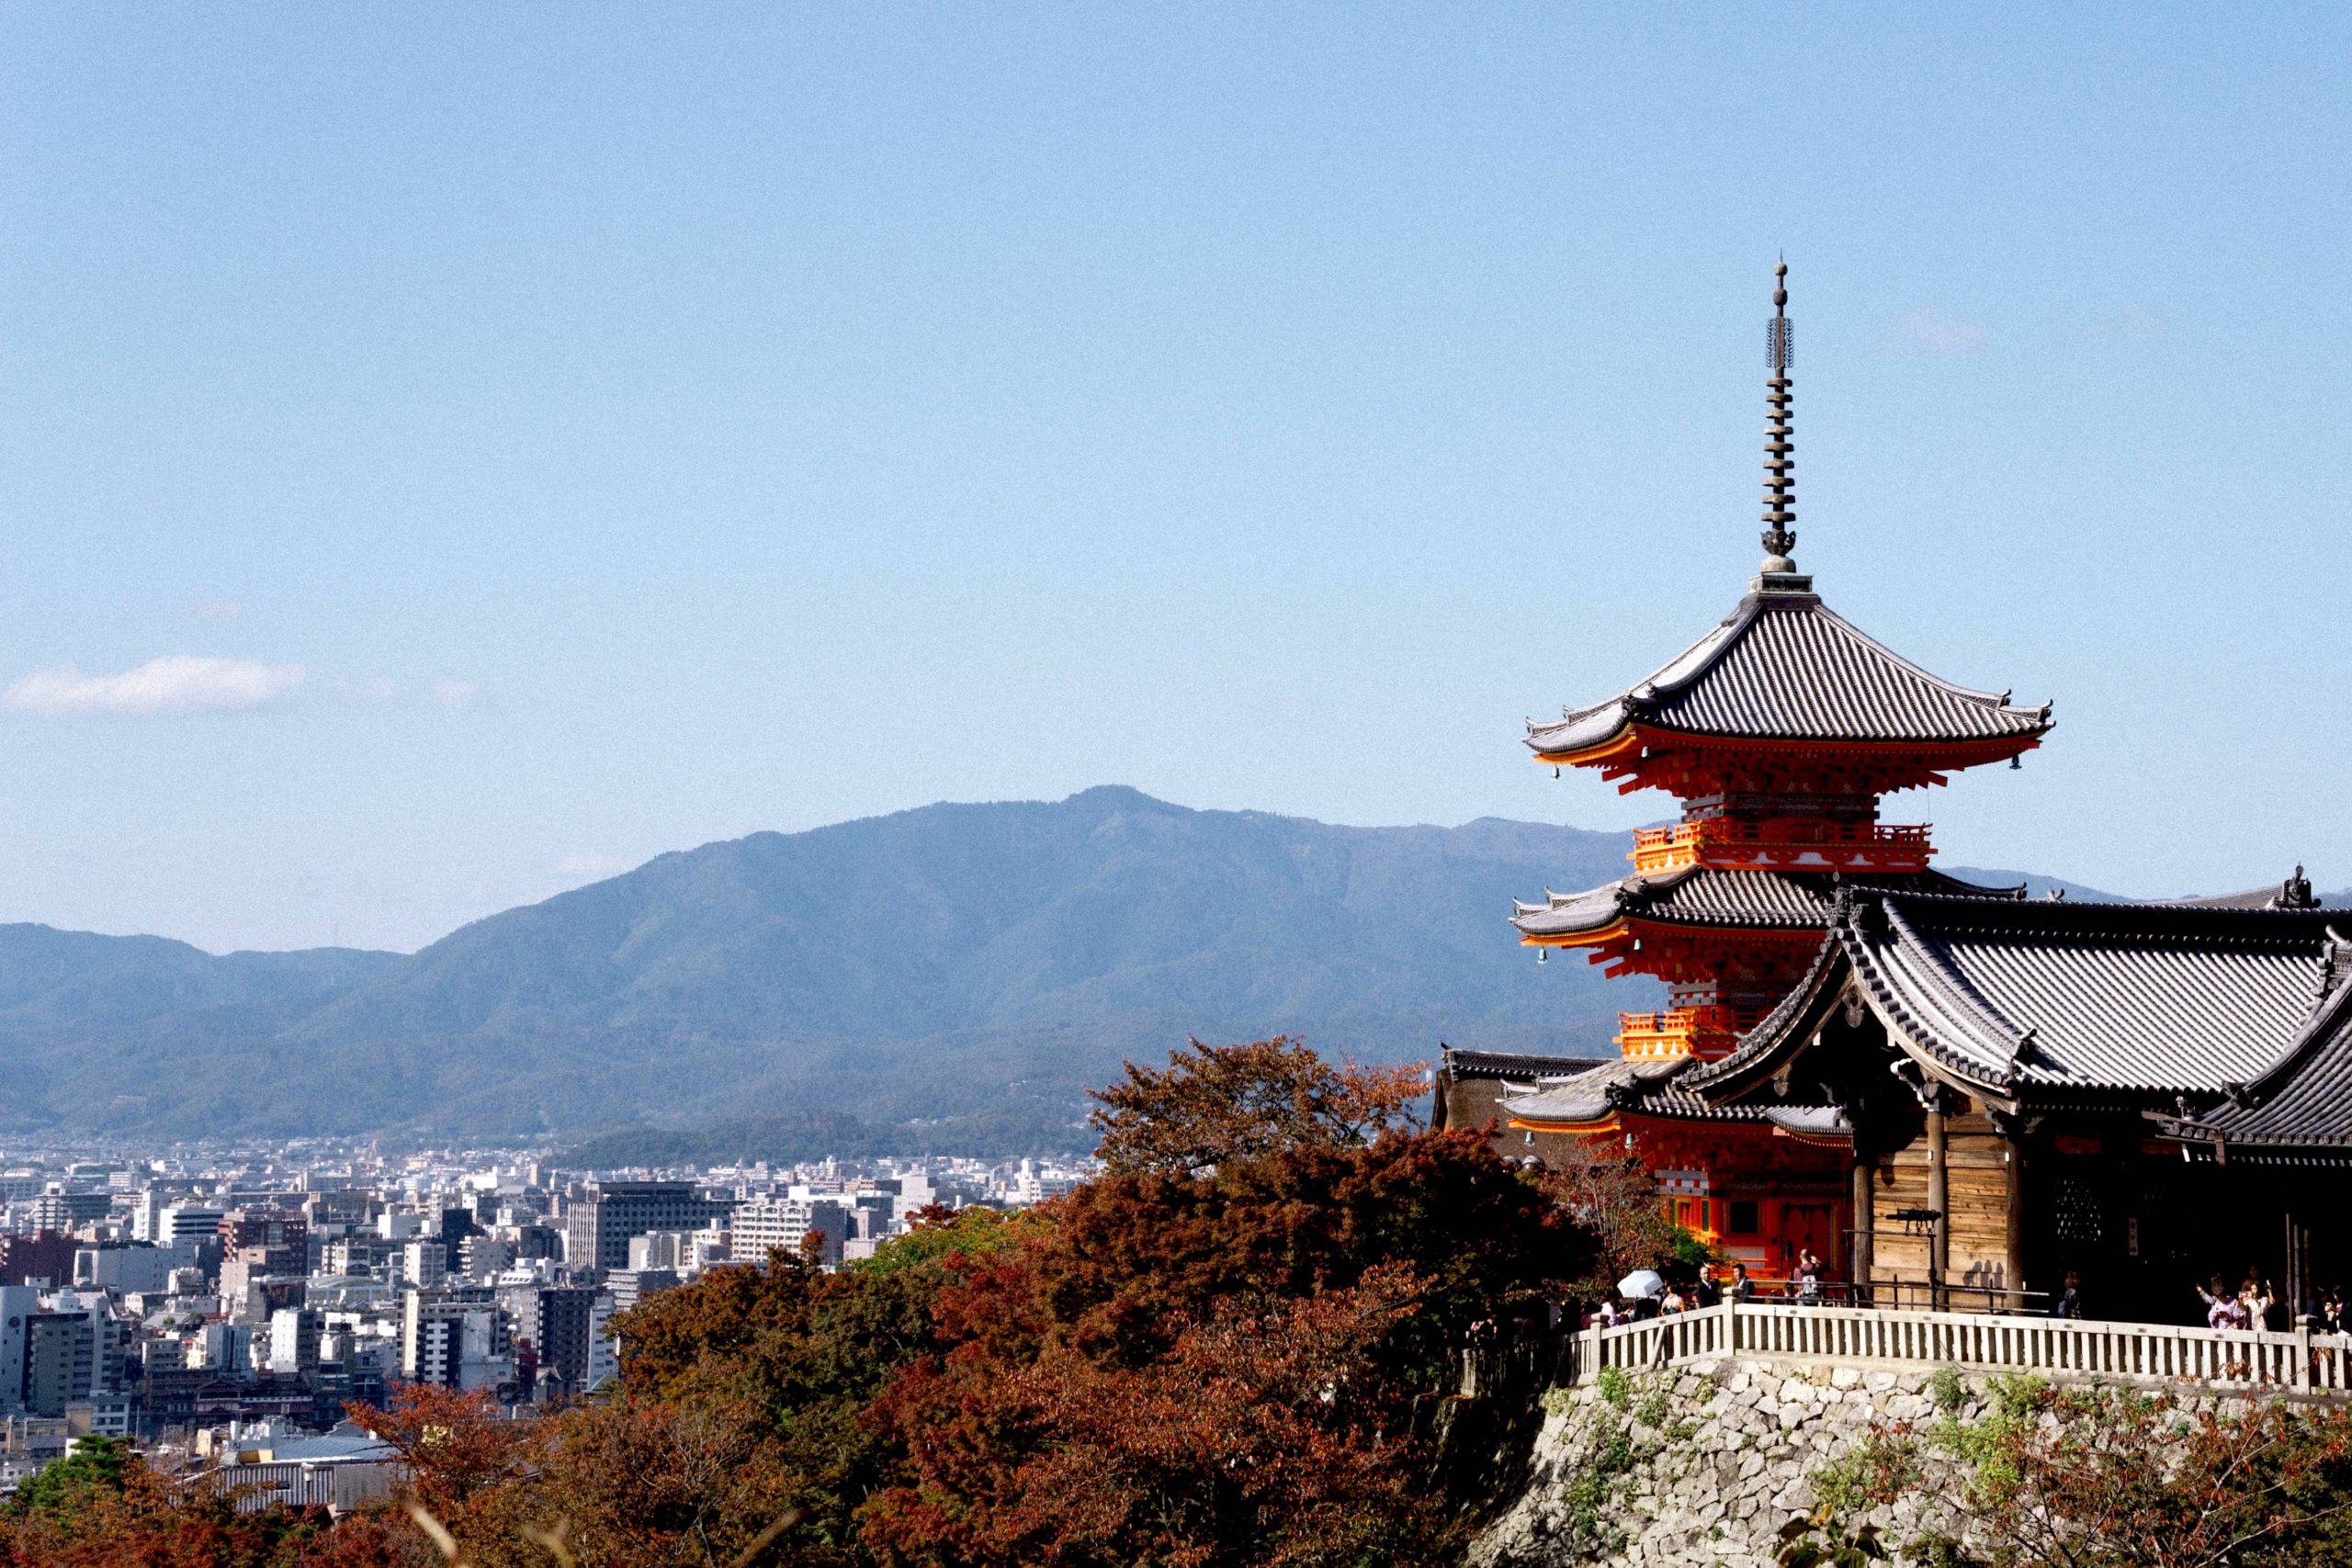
(1228, 1349)
(1213, 1103)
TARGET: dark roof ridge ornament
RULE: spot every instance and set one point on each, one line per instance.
(1779, 573)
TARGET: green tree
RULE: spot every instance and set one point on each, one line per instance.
(93, 1468)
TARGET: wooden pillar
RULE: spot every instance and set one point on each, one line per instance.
(1863, 1254)
(2011, 1127)
(1939, 1200)
(2013, 1247)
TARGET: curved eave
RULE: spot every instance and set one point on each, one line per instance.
(1609, 1123)
(1598, 753)
(1629, 927)
(1616, 931)
(1624, 750)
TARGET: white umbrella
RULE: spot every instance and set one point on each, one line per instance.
(1641, 1284)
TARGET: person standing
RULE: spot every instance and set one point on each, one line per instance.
(1808, 1278)
(2070, 1299)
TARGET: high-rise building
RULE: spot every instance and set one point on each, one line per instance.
(69, 1211)
(61, 1362)
(768, 1224)
(44, 1257)
(424, 1265)
(598, 1225)
(480, 1256)
(560, 1321)
(285, 1233)
(294, 1338)
(456, 1337)
(631, 1286)
(189, 1222)
(18, 1306)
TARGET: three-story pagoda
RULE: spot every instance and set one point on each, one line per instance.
(1778, 731)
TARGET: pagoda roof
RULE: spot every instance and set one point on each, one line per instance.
(1704, 897)
(1784, 667)
(2052, 1000)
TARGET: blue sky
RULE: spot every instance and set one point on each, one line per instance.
(536, 437)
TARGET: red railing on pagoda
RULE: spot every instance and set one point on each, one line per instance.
(1702, 1032)
(1731, 843)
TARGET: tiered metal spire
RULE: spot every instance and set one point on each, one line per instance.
(1779, 440)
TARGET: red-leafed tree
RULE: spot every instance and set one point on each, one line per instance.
(1260, 1438)
(1213, 1103)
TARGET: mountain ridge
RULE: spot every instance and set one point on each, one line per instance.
(891, 967)
(973, 965)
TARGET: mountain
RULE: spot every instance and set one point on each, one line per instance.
(974, 964)
(950, 979)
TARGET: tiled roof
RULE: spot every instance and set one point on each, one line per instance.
(1515, 1064)
(1702, 895)
(2027, 998)
(1784, 667)
(1642, 1088)
(2305, 1097)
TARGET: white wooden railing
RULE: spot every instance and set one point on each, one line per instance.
(2297, 1359)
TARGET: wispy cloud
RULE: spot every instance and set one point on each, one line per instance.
(1932, 331)
(180, 682)
(453, 693)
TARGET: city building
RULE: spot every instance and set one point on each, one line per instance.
(456, 1337)
(765, 1225)
(598, 1225)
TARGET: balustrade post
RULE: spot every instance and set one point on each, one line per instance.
(1588, 1360)
(2303, 1349)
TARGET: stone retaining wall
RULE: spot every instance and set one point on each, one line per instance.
(1704, 1464)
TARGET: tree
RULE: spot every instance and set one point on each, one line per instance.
(455, 1445)
(1612, 1199)
(1255, 1440)
(94, 1469)
(1214, 1103)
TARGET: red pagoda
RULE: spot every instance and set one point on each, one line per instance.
(1778, 731)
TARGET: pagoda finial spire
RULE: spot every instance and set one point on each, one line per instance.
(1779, 447)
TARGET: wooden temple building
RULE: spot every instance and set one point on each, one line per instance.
(1941, 1089)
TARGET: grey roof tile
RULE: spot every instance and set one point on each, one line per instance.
(1646, 1087)
(1783, 665)
(1702, 895)
(2147, 998)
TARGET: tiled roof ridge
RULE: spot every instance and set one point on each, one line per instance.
(2007, 916)
(1993, 1030)
(1453, 1055)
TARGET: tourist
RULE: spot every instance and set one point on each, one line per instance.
(2222, 1309)
(1673, 1302)
(2331, 1310)
(1808, 1278)
(2070, 1299)
(1743, 1289)
(2256, 1298)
